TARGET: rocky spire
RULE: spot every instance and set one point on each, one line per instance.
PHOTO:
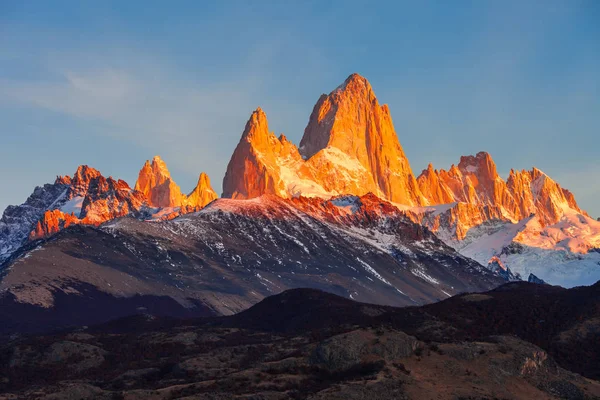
(349, 147)
(476, 183)
(202, 194)
(351, 120)
(255, 166)
(154, 181)
(433, 187)
(89, 198)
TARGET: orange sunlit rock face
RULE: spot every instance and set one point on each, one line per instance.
(92, 199)
(154, 181)
(52, 222)
(351, 121)
(349, 147)
(202, 194)
(481, 194)
(256, 165)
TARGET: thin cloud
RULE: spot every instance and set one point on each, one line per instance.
(195, 129)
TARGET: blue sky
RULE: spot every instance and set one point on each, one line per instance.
(111, 84)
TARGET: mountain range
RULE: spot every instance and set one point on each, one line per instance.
(528, 222)
(342, 212)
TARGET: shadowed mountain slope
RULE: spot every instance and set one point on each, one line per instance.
(309, 344)
(231, 255)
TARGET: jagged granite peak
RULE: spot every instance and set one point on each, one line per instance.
(432, 188)
(203, 193)
(351, 120)
(155, 182)
(257, 126)
(528, 221)
(350, 98)
(82, 178)
(17, 221)
(480, 164)
(260, 162)
(90, 199)
(349, 147)
(87, 197)
(476, 181)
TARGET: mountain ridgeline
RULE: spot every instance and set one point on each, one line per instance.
(350, 146)
(343, 212)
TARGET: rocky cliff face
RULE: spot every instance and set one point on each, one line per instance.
(349, 147)
(476, 183)
(202, 194)
(51, 222)
(18, 221)
(155, 182)
(89, 198)
(350, 121)
(261, 163)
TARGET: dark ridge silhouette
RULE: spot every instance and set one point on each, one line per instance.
(90, 307)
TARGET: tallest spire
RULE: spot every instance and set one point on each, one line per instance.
(349, 147)
(343, 106)
(356, 83)
(351, 120)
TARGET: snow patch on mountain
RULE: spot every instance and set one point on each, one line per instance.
(372, 271)
(73, 206)
(565, 253)
(18, 221)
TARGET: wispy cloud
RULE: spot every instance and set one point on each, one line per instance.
(193, 128)
(193, 120)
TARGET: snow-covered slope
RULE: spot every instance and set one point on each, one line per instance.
(18, 221)
(233, 253)
(566, 253)
(88, 198)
